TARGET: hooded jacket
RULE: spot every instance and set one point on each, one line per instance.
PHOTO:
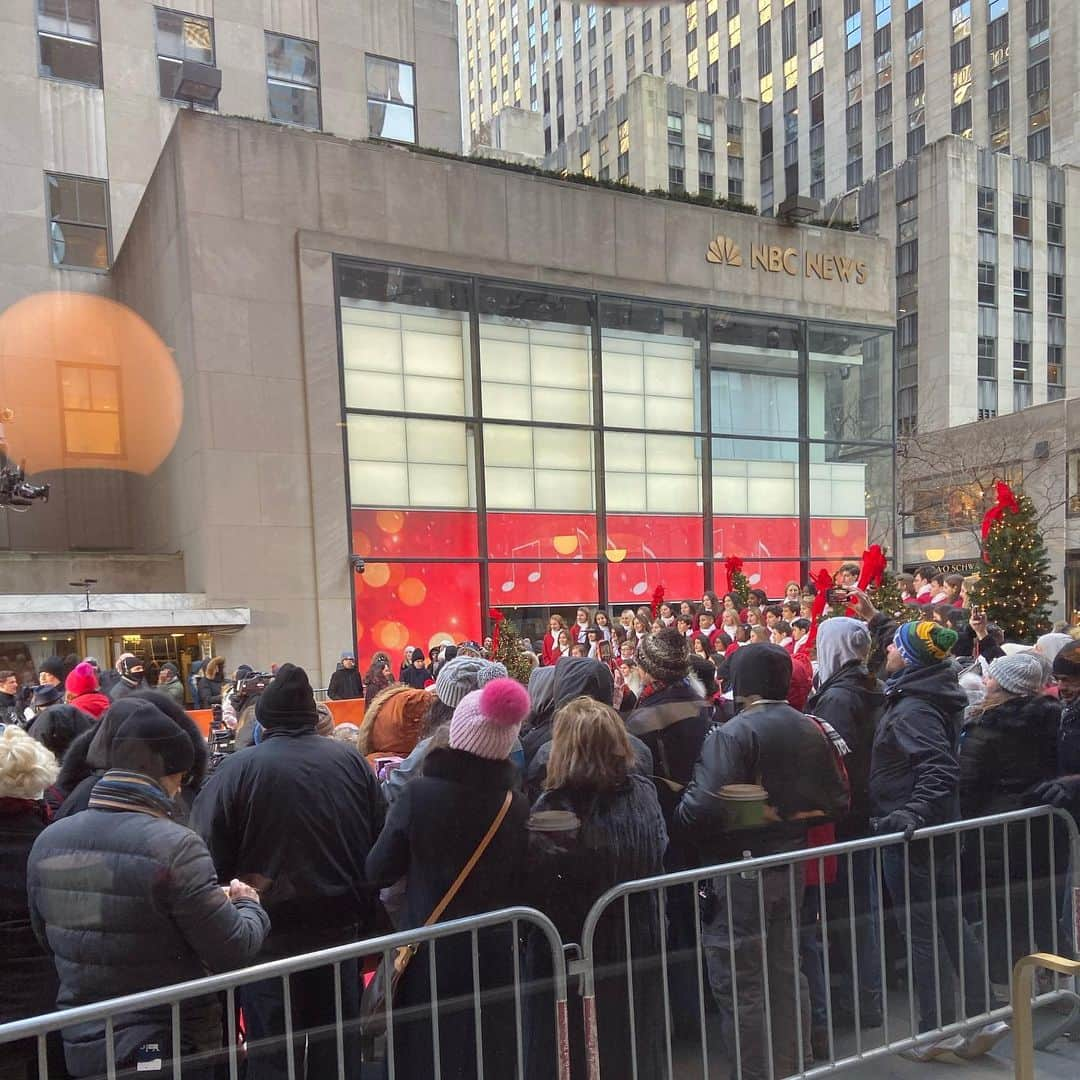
(851, 700)
(913, 765)
(89, 756)
(573, 676)
(59, 726)
(393, 722)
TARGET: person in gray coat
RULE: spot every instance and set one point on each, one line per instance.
(126, 899)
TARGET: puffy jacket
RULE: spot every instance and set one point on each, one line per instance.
(295, 816)
(913, 765)
(345, 685)
(851, 701)
(1005, 751)
(771, 744)
(128, 901)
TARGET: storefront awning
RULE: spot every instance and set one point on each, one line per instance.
(116, 611)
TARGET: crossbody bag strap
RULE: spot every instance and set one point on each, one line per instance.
(467, 869)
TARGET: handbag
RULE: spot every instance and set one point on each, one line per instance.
(380, 991)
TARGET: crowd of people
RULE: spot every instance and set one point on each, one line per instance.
(135, 855)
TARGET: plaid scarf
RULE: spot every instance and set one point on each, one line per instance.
(119, 789)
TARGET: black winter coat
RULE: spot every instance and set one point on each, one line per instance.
(27, 976)
(672, 723)
(345, 684)
(128, 901)
(913, 766)
(575, 676)
(851, 701)
(432, 829)
(622, 837)
(295, 817)
(771, 744)
(1068, 740)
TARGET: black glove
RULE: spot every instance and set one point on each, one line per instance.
(1062, 792)
(898, 821)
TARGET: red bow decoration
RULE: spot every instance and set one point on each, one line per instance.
(823, 581)
(657, 600)
(497, 617)
(733, 565)
(873, 567)
(1006, 500)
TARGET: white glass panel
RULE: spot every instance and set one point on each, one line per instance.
(671, 376)
(562, 449)
(371, 348)
(670, 412)
(505, 361)
(673, 494)
(563, 406)
(378, 483)
(508, 446)
(773, 496)
(557, 490)
(376, 438)
(509, 402)
(625, 491)
(509, 489)
(434, 395)
(438, 353)
(624, 452)
(624, 410)
(439, 485)
(623, 370)
(436, 441)
(373, 390)
(729, 494)
(553, 366)
(666, 454)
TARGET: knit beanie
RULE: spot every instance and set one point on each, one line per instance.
(148, 742)
(663, 655)
(1067, 662)
(53, 666)
(486, 722)
(924, 643)
(761, 670)
(1019, 674)
(464, 674)
(288, 701)
(82, 680)
(348, 654)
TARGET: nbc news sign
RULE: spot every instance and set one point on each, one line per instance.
(774, 259)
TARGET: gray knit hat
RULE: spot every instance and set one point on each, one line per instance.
(464, 674)
(664, 655)
(1022, 673)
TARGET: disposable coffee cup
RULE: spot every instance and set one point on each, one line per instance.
(553, 831)
(744, 804)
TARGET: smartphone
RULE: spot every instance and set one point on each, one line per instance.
(837, 596)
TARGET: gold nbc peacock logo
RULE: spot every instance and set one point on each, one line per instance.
(724, 252)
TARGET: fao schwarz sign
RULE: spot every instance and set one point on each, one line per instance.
(775, 259)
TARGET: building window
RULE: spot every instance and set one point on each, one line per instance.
(1055, 294)
(987, 358)
(391, 99)
(1022, 290)
(1055, 223)
(987, 284)
(1039, 145)
(180, 37)
(1021, 215)
(78, 222)
(675, 129)
(676, 178)
(987, 216)
(69, 40)
(90, 399)
(292, 80)
(961, 120)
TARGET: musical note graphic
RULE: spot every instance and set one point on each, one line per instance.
(639, 588)
(532, 548)
(755, 579)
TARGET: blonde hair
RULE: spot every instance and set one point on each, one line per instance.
(589, 747)
(26, 767)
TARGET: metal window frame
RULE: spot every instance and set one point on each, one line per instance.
(64, 411)
(208, 19)
(476, 421)
(274, 80)
(100, 84)
(49, 219)
(382, 101)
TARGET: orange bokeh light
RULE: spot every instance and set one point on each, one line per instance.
(412, 592)
(840, 527)
(377, 574)
(91, 385)
(390, 521)
(392, 635)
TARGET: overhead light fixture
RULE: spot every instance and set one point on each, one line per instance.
(796, 208)
(200, 84)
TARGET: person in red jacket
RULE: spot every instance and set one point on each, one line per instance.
(84, 692)
(549, 651)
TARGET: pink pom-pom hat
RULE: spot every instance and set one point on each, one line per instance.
(486, 722)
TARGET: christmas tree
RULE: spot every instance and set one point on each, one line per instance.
(737, 581)
(886, 597)
(508, 649)
(1015, 587)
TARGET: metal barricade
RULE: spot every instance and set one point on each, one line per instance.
(756, 932)
(1022, 995)
(346, 1027)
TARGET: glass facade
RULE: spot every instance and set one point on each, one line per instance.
(533, 449)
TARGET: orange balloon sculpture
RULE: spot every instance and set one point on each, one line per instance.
(90, 383)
